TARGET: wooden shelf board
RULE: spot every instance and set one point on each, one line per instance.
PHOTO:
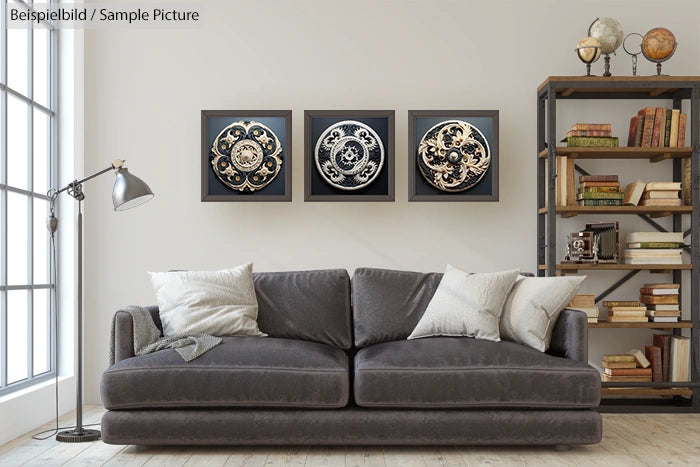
(654, 211)
(648, 325)
(617, 267)
(641, 391)
(650, 85)
(653, 154)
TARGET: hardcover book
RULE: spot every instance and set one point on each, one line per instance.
(605, 364)
(662, 308)
(648, 130)
(598, 178)
(653, 354)
(663, 341)
(633, 193)
(621, 379)
(675, 117)
(660, 194)
(660, 202)
(606, 133)
(618, 358)
(628, 371)
(667, 130)
(639, 356)
(600, 189)
(680, 358)
(632, 136)
(614, 185)
(600, 202)
(592, 126)
(627, 319)
(599, 195)
(662, 286)
(653, 245)
(659, 125)
(659, 299)
(592, 141)
(650, 291)
(610, 303)
(640, 129)
(664, 313)
(681, 130)
(661, 186)
(676, 237)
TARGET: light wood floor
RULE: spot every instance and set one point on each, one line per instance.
(627, 440)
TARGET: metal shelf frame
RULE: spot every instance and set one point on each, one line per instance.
(646, 89)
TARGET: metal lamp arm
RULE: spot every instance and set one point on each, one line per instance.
(74, 188)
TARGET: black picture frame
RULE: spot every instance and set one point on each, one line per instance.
(419, 122)
(279, 121)
(316, 188)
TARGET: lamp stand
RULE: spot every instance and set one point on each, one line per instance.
(79, 434)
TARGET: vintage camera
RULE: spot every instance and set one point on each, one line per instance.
(597, 243)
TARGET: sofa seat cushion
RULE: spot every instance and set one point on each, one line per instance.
(454, 372)
(240, 372)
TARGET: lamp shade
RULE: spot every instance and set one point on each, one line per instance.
(129, 191)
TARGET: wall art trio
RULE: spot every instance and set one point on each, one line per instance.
(349, 155)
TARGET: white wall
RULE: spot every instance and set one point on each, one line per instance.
(144, 90)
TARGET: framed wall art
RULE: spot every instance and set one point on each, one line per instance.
(349, 155)
(246, 155)
(453, 155)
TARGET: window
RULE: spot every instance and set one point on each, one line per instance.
(27, 171)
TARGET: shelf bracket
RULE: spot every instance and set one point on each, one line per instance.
(660, 157)
(617, 284)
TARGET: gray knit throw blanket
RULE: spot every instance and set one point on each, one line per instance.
(147, 337)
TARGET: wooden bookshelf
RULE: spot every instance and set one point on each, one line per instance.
(648, 325)
(641, 391)
(573, 267)
(651, 154)
(653, 211)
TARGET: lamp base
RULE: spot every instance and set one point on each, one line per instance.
(75, 436)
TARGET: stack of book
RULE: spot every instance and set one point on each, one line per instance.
(657, 127)
(591, 135)
(661, 194)
(585, 303)
(661, 301)
(599, 190)
(669, 357)
(653, 248)
(632, 367)
(626, 311)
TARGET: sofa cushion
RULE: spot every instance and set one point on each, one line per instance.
(307, 305)
(240, 372)
(461, 372)
(387, 304)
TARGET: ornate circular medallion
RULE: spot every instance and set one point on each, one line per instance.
(247, 156)
(349, 155)
(453, 156)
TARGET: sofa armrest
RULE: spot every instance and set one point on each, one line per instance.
(570, 336)
(124, 333)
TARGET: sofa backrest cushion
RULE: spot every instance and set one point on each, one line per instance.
(388, 304)
(306, 305)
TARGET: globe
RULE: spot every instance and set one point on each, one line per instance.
(609, 32)
(588, 49)
(658, 44)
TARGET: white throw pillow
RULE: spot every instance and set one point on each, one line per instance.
(466, 305)
(533, 306)
(220, 303)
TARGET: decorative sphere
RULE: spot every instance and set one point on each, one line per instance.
(658, 44)
(588, 49)
(609, 32)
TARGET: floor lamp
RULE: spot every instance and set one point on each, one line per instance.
(129, 191)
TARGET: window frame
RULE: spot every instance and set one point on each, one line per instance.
(52, 159)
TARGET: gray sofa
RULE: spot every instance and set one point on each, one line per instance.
(337, 369)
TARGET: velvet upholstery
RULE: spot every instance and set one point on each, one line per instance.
(306, 305)
(351, 426)
(388, 304)
(570, 336)
(240, 372)
(458, 372)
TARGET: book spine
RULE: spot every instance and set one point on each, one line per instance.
(592, 141)
(599, 189)
(640, 129)
(673, 140)
(632, 136)
(659, 119)
(607, 133)
(659, 299)
(686, 184)
(681, 130)
(599, 184)
(654, 245)
(653, 354)
(600, 195)
(600, 202)
(598, 178)
(592, 126)
(667, 129)
(611, 303)
(648, 126)
(645, 291)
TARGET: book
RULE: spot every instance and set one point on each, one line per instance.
(659, 299)
(598, 178)
(653, 354)
(621, 379)
(661, 186)
(676, 237)
(610, 303)
(660, 202)
(664, 313)
(664, 285)
(680, 359)
(600, 184)
(660, 194)
(607, 133)
(628, 371)
(681, 130)
(651, 260)
(640, 127)
(663, 341)
(633, 193)
(582, 300)
(652, 252)
(663, 319)
(632, 135)
(667, 130)
(675, 117)
(649, 291)
(614, 365)
(561, 181)
(686, 189)
(653, 245)
(627, 319)
(592, 141)
(592, 319)
(600, 202)
(662, 307)
(639, 356)
(601, 195)
(592, 126)
(600, 189)
(618, 358)
(648, 130)
(627, 308)
(659, 124)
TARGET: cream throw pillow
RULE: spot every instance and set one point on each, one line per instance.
(533, 306)
(220, 303)
(466, 305)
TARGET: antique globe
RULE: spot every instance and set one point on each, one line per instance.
(609, 32)
(658, 45)
(588, 51)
